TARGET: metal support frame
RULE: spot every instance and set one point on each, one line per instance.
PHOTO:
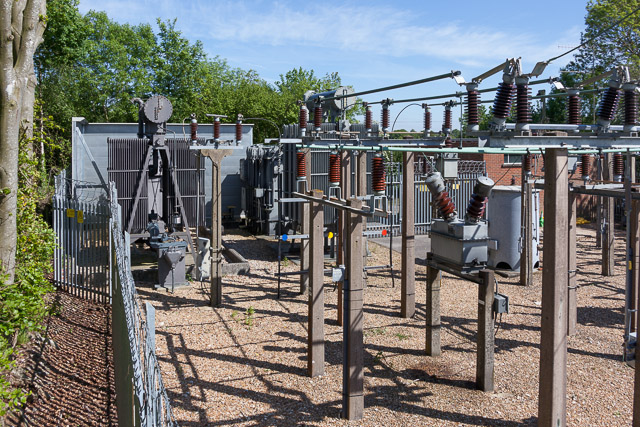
(553, 342)
(345, 185)
(216, 156)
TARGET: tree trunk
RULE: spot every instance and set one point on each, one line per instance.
(22, 23)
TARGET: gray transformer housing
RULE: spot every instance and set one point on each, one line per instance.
(504, 217)
(459, 243)
(95, 136)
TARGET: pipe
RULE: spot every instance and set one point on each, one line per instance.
(398, 86)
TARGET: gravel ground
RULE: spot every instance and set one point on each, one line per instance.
(227, 366)
(69, 369)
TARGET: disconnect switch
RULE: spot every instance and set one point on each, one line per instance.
(500, 303)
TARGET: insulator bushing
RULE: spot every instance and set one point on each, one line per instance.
(317, 118)
(427, 120)
(447, 123)
(385, 119)
(478, 200)
(301, 165)
(502, 101)
(586, 166)
(608, 104)
(368, 119)
(574, 114)
(526, 164)
(238, 131)
(473, 98)
(523, 110)
(303, 117)
(441, 198)
(630, 107)
(216, 129)
(378, 175)
(448, 142)
(618, 167)
(194, 130)
(334, 169)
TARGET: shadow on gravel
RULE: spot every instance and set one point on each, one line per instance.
(69, 370)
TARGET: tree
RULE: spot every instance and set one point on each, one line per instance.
(618, 45)
(22, 24)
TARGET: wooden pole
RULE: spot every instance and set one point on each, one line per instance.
(553, 343)
(485, 345)
(304, 228)
(434, 278)
(216, 156)
(572, 298)
(315, 344)
(353, 369)
(408, 286)
(608, 238)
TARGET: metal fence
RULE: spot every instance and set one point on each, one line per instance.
(81, 223)
(142, 397)
(92, 261)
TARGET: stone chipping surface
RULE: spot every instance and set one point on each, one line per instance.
(227, 366)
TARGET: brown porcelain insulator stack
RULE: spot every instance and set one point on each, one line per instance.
(303, 117)
(385, 119)
(573, 110)
(440, 197)
(526, 163)
(475, 209)
(448, 142)
(378, 175)
(609, 104)
(618, 167)
(427, 120)
(317, 118)
(473, 98)
(216, 129)
(368, 118)
(334, 169)
(630, 107)
(238, 131)
(447, 123)
(194, 130)
(523, 110)
(502, 101)
(301, 166)
(586, 166)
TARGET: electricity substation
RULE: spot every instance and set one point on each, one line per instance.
(326, 188)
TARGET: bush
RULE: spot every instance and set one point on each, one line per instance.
(22, 304)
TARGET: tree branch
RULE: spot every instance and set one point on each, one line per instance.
(6, 46)
(33, 27)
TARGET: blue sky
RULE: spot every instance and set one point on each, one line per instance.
(374, 43)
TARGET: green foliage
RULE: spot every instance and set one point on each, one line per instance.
(248, 319)
(618, 46)
(91, 66)
(22, 303)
